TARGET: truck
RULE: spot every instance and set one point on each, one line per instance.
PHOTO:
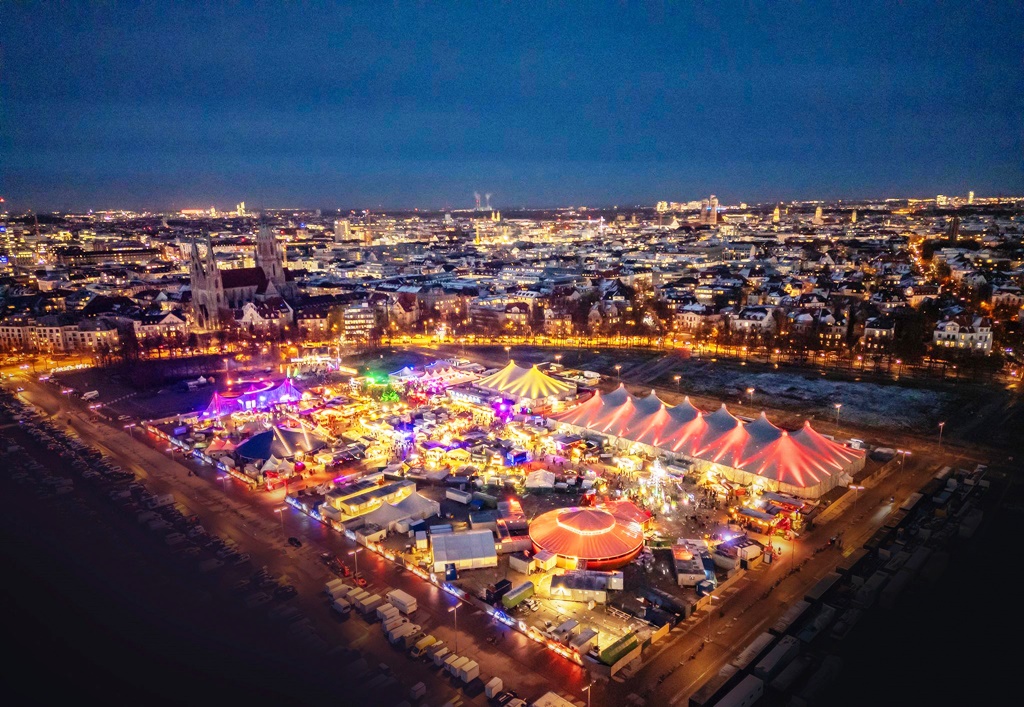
(386, 612)
(422, 645)
(160, 501)
(341, 606)
(469, 671)
(462, 497)
(404, 602)
(517, 595)
(496, 591)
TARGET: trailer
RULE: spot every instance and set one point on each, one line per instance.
(392, 623)
(789, 675)
(406, 603)
(789, 618)
(332, 584)
(746, 693)
(341, 591)
(341, 606)
(454, 494)
(386, 612)
(493, 687)
(469, 671)
(396, 633)
(367, 604)
(447, 661)
(819, 590)
(437, 657)
(356, 594)
(455, 667)
(753, 650)
(517, 595)
(778, 658)
(708, 693)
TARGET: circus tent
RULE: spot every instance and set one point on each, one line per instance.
(803, 463)
(600, 538)
(258, 396)
(526, 384)
(279, 442)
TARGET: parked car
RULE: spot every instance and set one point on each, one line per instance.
(294, 542)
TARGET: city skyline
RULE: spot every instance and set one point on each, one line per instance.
(147, 107)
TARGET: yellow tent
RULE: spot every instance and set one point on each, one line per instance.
(526, 383)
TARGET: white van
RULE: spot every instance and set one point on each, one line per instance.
(92, 394)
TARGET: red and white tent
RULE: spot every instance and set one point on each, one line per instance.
(802, 463)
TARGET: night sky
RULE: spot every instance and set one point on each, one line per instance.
(397, 105)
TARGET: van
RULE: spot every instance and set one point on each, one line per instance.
(421, 646)
(91, 395)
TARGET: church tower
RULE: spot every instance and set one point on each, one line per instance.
(206, 285)
(269, 257)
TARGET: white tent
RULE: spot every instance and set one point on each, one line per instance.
(467, 550)
(540, 479)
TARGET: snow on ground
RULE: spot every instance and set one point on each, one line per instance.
(863, 403)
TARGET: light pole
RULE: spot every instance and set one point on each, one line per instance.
(130, 428)
(355, 557)
(455, 610)
(508, 355)
(677, 378)
(618, 369)
(587, 690)
(903, 461)
(856, 495)
(280, 515)
(837, 405)
(941, 425)
(558, 359)
(711, 606)
(750, 392)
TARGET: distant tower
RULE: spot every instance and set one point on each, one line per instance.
(487, 197)
(269, 256)
(853, 216)
(341, 229)
(818, 219)
(240, 209)
(776, 215)
(713, 213)
(368, 236)
(705, 206)
(970, 197)
(476, 197)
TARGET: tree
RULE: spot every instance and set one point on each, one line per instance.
(128, 348)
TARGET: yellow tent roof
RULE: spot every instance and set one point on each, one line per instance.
(525, 383)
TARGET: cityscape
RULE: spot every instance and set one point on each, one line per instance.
(425, 437)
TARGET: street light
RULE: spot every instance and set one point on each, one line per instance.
(711, 605)
(355, 557)
(750, 392)
(856, 494)
(558, 358)
(130, 428)
(941, 425)
(587, 690)
(838, 405)
(455, 610)
(618, 368)
(903, 461)
(677, 378)
(508, 356)
(280, 515)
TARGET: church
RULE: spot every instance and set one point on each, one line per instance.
(217, 293)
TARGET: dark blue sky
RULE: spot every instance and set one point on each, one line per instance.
(403, 104)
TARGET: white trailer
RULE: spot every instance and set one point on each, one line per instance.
(406, 603)
(386, 612)
(368, 604)
(469, 671)
(493, 687)
(341, 606)
(332, 584)
(746, 693)
(390, 624)
(456, 665)
(462, 497)
(438, 656)
(341, 591)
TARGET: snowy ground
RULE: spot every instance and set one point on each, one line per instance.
(863, 403)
